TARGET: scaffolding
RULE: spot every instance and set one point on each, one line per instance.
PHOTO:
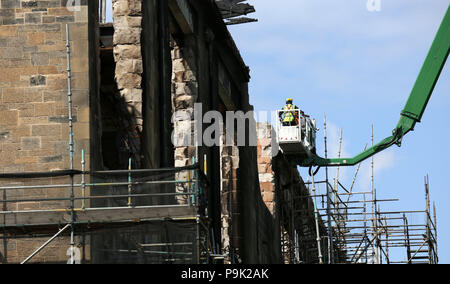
(365, 237)
(159, 214)
(352, 228)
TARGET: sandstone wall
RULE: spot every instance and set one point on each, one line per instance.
(208, 69)
(34, 128)
(184, 96)
(285, 194)
(259, 228)
(265, 170)
(127, 20)
(229, 199)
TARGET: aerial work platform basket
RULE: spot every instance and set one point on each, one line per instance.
(299, 137)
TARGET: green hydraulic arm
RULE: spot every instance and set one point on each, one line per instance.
(415, 106)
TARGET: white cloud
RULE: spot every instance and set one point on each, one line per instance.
(383, 161)
(334, 147)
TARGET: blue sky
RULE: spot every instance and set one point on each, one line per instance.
(358, 67)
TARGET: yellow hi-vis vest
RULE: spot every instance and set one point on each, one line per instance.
(288, 116)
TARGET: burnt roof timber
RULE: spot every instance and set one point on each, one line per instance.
(241, 20)
(231, 10)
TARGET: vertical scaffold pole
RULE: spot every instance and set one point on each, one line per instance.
(316, 217)
(365, 226)
(374, 204)
(83, 180)
(69, 98)
(71, 147)
(436, 257)
(130, 187)
(428, 213)
(194, 187)
(197, 240)
(328, 188)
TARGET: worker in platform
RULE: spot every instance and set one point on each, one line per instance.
(290, 114)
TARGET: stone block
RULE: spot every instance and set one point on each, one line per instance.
(53, 96)
(45, 70)
(6, 157)
(127, 36)
(8, 4)
(46, 130)
(65, 19)
(11, 53)
(33, 18)
(51, 159)
(36, 38)
(127, 52)
(20, 131)
(11, 147)
(30, 143)
(25, 160)
(18, 42)
(82, 130)
(268, 197)
(127, 8)
(266, 177)
(267, 187)
(128, 21)
(56, 84)
(59, 11)
(7, 31)
(44, 109)
(130, 66)
(9, 117)
(129, 80)
(40, 59)
(48, 19)
(3, 42)
(27, 112)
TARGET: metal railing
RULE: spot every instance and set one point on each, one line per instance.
(135, 189)
(177, 186)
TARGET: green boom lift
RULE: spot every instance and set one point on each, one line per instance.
(413, 111)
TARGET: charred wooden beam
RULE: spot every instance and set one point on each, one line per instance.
(232, 10)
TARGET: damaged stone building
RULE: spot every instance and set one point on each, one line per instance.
(125, 81)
